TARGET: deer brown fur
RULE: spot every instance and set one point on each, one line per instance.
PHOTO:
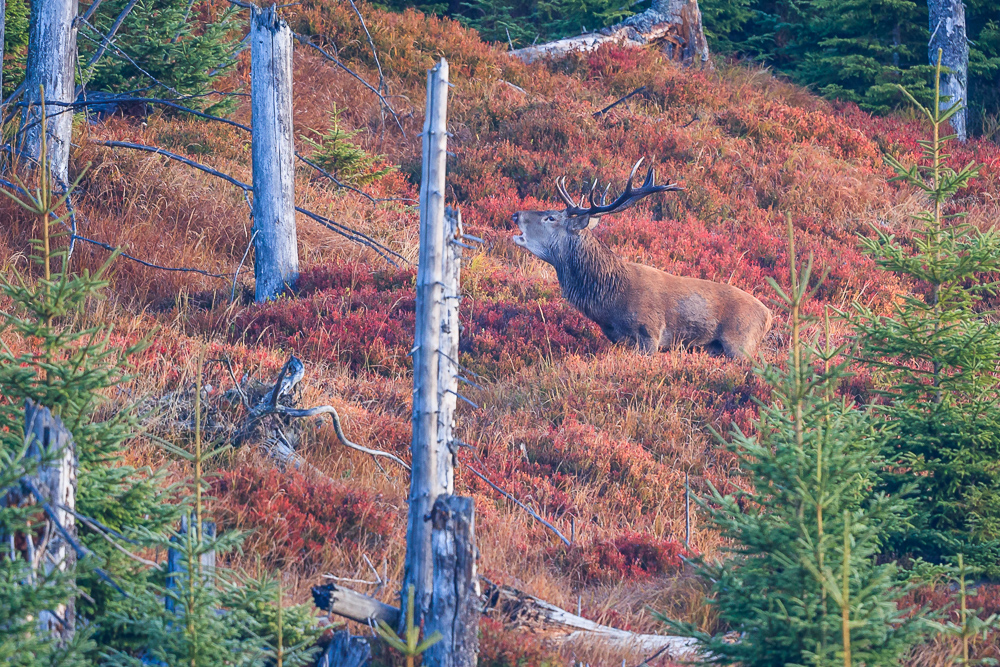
(634, 303)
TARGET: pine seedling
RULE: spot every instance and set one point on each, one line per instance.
(409, 648)
(289, 632)
(936, 356)
(970, 625)
(196, 629)
(337, 153)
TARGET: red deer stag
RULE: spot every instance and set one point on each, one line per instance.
(631, 302)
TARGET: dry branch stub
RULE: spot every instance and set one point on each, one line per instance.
(455, 606)
(431, 475)
(276, 259)
(49, 75)
(51, 444)
(359, 607)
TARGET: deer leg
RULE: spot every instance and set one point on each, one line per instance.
(647, 342)
(738, 349)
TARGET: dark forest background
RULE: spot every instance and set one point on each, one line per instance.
(852, 50)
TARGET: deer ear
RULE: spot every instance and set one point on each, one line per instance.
(579, 222)
(594, 221)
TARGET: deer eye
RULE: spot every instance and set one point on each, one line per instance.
(549, 218)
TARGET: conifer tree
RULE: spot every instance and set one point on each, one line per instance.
(66, 362)
(41, 313)
(193, 630)
(808, 518)
(937, 353)
(184, 46)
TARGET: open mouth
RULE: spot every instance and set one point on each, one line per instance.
(518, 239)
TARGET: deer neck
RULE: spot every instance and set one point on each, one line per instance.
(591, 277)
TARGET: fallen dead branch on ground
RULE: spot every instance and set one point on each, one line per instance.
(514, 608)
(279, 402)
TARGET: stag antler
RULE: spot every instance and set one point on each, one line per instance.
(627, 198)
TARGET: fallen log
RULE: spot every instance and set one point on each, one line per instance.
(514, 607)
(674, 23)
(522, 609)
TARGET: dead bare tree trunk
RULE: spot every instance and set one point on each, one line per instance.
(947, 25)
(276, 259)
(448, 369)
(346, 651)
(51, 443)
(674, 23)
(430, 476)
(51, 59)
(455, 607)
(177, 564)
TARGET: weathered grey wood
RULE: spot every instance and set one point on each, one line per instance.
(353, 605)
(522, 609)
(425, 483)
(51, 444)
(51, 59)
(947, 24)
(674, 23)
(455, 607)
(276, 259)
(3, 32)
(346, 650)
(448, 345)
(177, 560)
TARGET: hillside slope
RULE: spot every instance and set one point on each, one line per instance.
(588, 434)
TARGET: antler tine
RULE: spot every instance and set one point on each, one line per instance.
(563, 194)
(593, 189)
(627, 198)
(650, 179)
(631, 174)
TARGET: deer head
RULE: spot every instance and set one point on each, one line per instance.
(543, 232)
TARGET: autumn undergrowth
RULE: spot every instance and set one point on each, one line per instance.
(590, 435)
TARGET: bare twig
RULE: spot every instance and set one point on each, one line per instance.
(93, 525)
(336, 61)
(330, 410)
(125, 56)
(174, 156)
(371, 43)
(527, 509)
(640, 89)
(81, 551)
(201, 114)
(108, 246)
(352, 581)
(354, 235)
(343, 230)
(111, 33)
(656, 655)
(345, 186)
(291, 373)
(232, 294)
(91, 9)
(236, 384)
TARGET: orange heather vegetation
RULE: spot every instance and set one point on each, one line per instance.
(587, 433)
